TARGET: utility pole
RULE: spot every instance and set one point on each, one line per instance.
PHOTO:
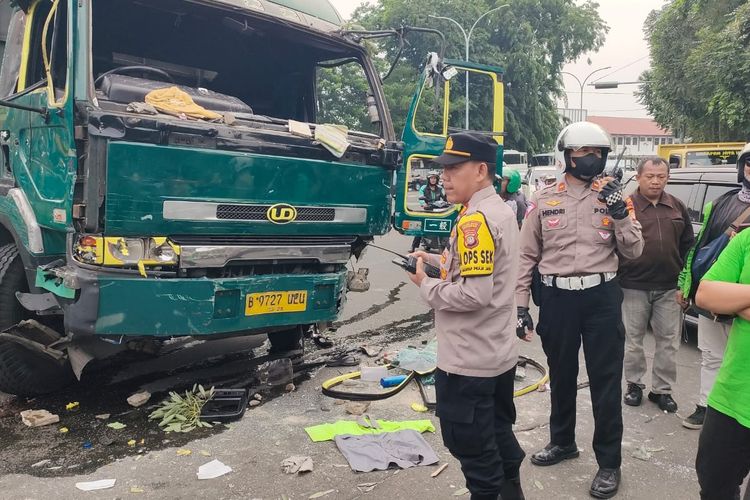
(580, 118)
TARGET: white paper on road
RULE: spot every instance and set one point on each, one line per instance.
(102, 484)
(213, 469)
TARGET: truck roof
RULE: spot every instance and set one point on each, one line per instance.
(317, 14)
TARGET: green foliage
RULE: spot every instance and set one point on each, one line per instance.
(182, 413)
(531, 40)
(698, 84)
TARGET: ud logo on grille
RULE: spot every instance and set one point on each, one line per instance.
(281, 213)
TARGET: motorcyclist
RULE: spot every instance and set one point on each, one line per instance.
(432, 191)
(429, 194)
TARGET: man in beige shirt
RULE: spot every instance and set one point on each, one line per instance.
(572, 233)
(475, 318)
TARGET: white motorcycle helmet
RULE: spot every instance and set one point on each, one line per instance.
(579, 135)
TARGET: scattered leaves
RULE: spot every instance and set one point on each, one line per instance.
(183, 452)
(538, 485)
(182, 413)
(116, 425)
(131, 442)
(64, 430)
(70, 406)
(461, 492)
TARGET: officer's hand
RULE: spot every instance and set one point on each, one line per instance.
(525, 325)
(420, 275)
(420, 254)
(611, 194)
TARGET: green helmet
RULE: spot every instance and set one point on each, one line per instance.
(514, 180)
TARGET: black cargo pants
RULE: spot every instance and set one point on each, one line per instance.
(593, 316)
(476, 419)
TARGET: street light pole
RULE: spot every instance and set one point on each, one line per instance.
(583, 84)
(467, 41)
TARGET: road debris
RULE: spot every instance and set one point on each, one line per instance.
(538, 485)
(439, 470)
(371, 351)
(72, 406)
(461, 492)
(320, 494)
(372, 373)
(38, 418)
(131, 443)
(102, 484)
(254, 403)
(297, 464)
(183, 413)
(418, 407)
(116, 425)
(64, 430)
(139, 399)
(641, 453)
(103, 416)
(213, 469)
(353, 408)
(41, 463)
(136, 489)
(183, 452)
(289, 387)
(366, 487)
(205, 453)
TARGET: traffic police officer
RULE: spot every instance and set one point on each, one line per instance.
(475, 319)
(572, 232)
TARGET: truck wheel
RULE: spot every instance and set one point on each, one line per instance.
(287, 340)
(23, 372)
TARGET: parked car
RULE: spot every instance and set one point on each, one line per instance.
(696, 186)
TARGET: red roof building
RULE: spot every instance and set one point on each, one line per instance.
(640, 136)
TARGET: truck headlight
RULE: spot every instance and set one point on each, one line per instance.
(116, 251)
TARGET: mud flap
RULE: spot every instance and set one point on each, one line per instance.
(82, 351)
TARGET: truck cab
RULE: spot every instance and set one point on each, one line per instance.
(198, 168)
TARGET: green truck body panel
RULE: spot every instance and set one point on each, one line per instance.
(141, 177)
(202, 307)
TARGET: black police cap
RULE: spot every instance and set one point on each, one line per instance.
(468, 146)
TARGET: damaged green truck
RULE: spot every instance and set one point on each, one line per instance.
(122, 225)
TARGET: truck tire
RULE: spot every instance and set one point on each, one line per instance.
(23, 372)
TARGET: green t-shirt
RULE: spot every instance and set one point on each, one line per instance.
(731, 392)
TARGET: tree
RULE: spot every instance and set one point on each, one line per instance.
(531, 40)
(700, 65)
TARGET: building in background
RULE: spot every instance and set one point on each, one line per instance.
(637, 136)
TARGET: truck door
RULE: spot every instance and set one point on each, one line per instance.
(438, 108)
(40, 143)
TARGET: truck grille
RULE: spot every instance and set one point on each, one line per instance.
(257, 240)
(258, 213)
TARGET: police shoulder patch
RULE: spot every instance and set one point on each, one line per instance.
(476, 246)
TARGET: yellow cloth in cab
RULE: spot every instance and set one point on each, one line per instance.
(173, 101)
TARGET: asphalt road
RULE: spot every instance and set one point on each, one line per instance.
(390, 315)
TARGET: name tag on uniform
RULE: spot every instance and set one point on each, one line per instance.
(476, 246)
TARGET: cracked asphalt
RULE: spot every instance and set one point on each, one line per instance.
(390, 315)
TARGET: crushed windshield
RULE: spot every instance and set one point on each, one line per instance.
(228, 62)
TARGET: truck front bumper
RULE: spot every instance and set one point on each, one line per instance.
(135, 306)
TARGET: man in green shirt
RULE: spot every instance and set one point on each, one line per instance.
(723, 458)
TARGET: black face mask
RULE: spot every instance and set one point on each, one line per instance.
(586, 167)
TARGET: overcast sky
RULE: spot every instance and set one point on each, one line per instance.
(625, 50)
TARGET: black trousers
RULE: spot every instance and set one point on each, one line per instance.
(593, 317)
(723, 458)
(476, 419)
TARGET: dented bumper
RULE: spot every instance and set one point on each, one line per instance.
(131, 305)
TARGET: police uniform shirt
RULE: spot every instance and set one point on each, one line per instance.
(475, 311)
(569, 232)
